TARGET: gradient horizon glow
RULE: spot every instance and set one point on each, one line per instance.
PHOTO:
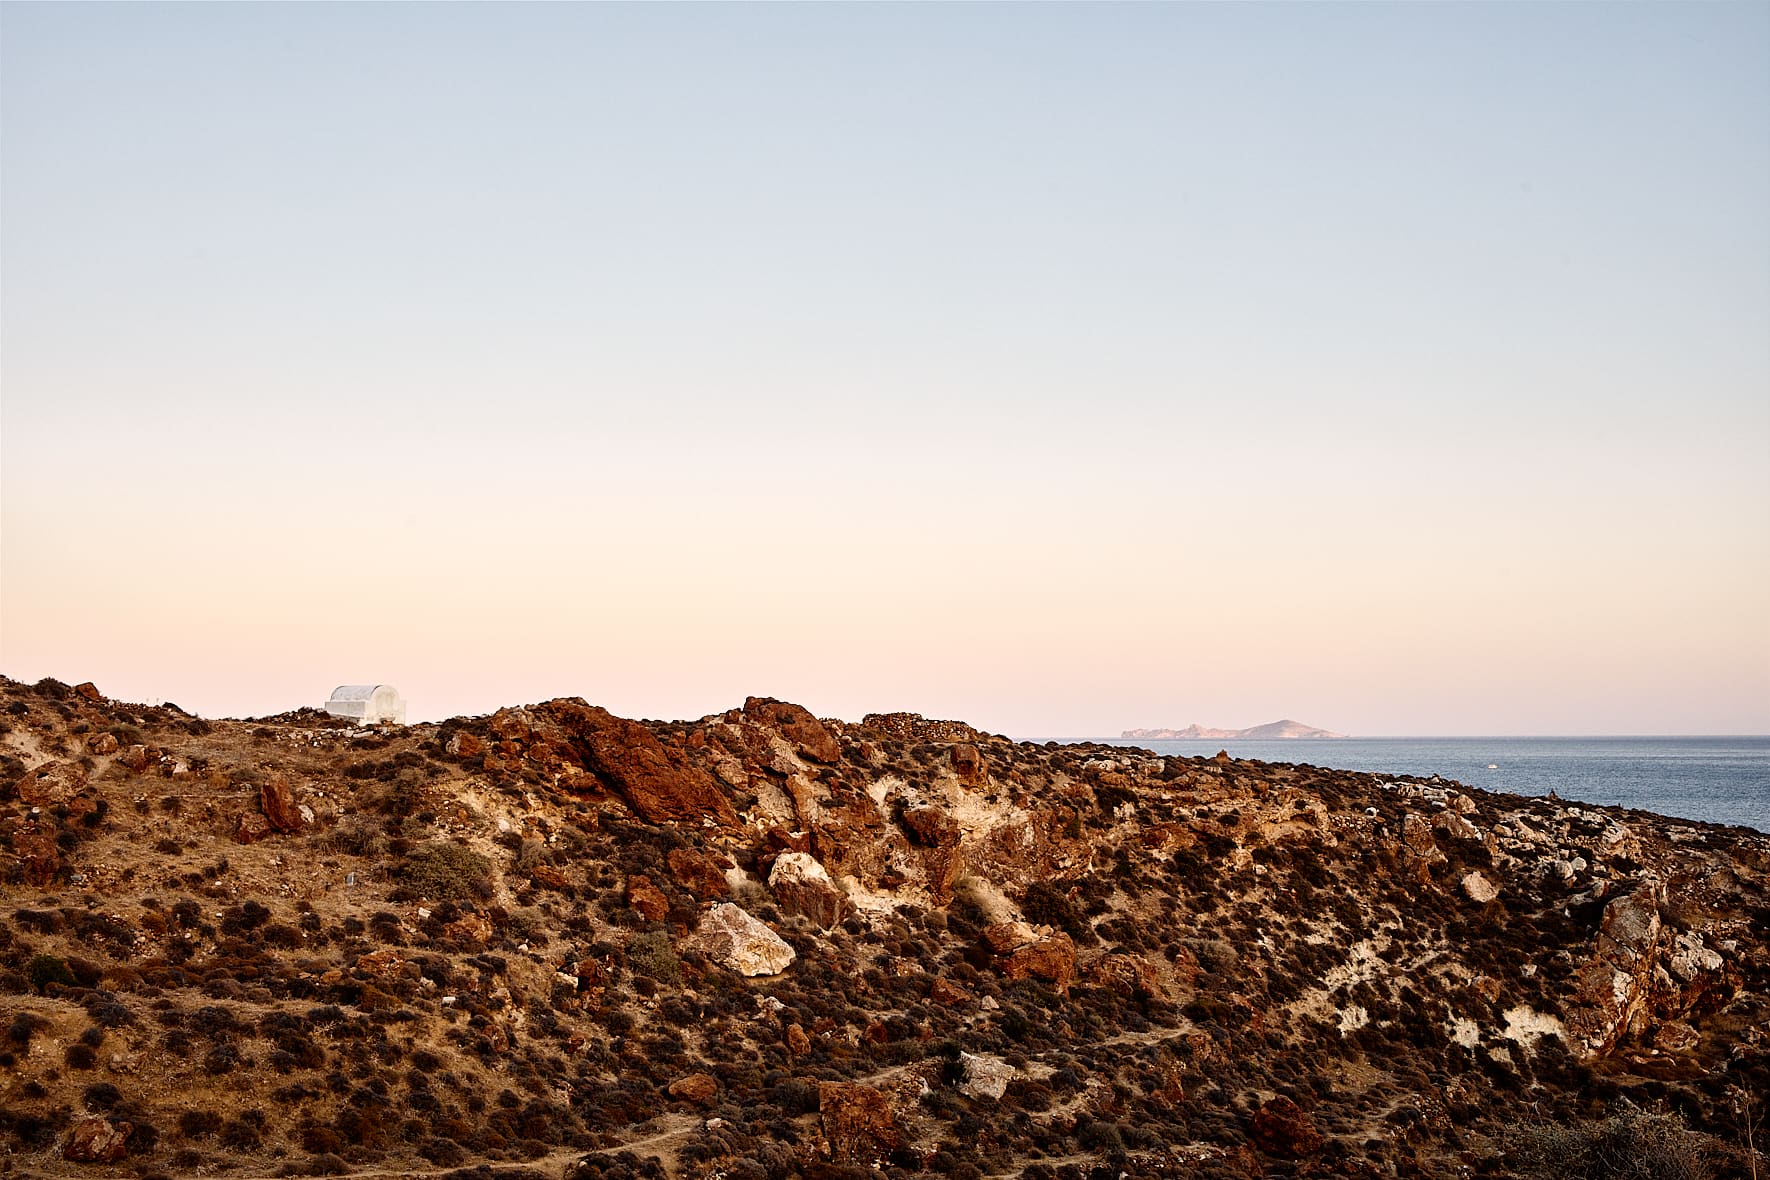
(1401, 369)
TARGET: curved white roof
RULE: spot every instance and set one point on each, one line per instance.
(358, 692)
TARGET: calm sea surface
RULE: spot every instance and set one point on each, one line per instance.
(1723, 780)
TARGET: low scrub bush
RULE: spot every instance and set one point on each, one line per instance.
(446, 871)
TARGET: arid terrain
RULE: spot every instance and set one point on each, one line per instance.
(553, 942)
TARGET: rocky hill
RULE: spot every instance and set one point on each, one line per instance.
(1272, 729)
(553, 942)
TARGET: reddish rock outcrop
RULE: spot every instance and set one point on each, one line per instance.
(1052, 959)
(102, 743)
(465, 745)
(802, 887)
(930, 826)
(97, 1141)
(968, 763)
(857, 1123)
(277, 800)
(50, 785)
(698, 1088)
(1281, 1128)
(806, 734)
(647, 898)
(252, 827)
(701, 875)
(659, 784)
(1128, 975)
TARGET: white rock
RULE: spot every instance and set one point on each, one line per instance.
(729, 935)
(1479, 888)
(985, 1076)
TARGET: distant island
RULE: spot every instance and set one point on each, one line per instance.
(1272, 729)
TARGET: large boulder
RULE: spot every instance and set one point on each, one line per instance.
(1126, 974)
(984, 1076)
(51, 784)
(857, 1123)
(1612, 994)
(647, 898)
(803, 887)
(658, 783)
(700, 874)
(97, 1141)
(808, 736)
(930, 826)
(698, 1088)
(732, 938)
(277, 800)
(1052, 959)
(968, 763)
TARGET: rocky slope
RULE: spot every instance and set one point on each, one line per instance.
(556, 942)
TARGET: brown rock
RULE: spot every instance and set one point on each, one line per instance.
(930, 826)
(97, 1141)
(465, 745)
(88, 690)
(700, 874)
(253, 827)
(1128, 975)
(805, 733)
(1478, 888)
(384, 967)
(1052, 959)
(549, 877)
(647, 898)
(739, 942)
(698, 1088)
(136, 759)
(1612, 992)
(50, 785)
(1455, 826)
(470, 928)
(102, 743)
(798, 1043)
(803, 887)
(1281, 1128)
(857, 1124)
(658, 783)
(38, 854)
(948, 994)
(277, 800)
(1004, 937)
(512, 725)
(967, 763)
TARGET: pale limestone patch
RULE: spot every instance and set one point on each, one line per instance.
(1525, 1025)
(1361, 965)
(1465, 1032)
(1352, 1018)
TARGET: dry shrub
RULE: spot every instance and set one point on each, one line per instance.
(1629, 1145)
(446, 871)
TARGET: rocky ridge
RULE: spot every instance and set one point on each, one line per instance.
(765, 944)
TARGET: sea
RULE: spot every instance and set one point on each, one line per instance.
(1723, 780)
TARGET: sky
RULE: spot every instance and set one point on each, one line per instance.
(1401, 369)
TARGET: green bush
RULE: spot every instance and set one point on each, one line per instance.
(47, 969)
(652, 956)
(446, 871)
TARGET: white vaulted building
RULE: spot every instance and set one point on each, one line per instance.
(368, 704)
